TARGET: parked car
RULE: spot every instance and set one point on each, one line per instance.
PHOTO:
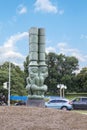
(60, 103)
(20, 103)
(79, 103)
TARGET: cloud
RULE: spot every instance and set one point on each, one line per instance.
(14, 38)
(21, 9)
(64, 49)
(46, 6)
(83, 36)
(8, 52)
(50, 49)
(61, 12)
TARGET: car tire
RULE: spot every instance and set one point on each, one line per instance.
(64, 108)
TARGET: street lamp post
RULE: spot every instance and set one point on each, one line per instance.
(64, 87)
(60, 92)
(9, 84)
(61, 87)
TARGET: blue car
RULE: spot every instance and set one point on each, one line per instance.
(60, 103)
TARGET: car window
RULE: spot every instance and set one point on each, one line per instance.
(84, 99)
(61, 101)
(76, 100)
(52, 101)
(57, 101)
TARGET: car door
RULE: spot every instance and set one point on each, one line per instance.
(52, 104)
(84, 103)
(55, 104)
(77, 103)
(59, 103)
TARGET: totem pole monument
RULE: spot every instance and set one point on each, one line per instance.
(37, 68)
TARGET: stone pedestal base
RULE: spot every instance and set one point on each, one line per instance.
(35, 103)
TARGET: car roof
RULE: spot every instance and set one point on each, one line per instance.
(59, 99)
(78, 97)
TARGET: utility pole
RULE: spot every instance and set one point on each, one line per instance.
(9, 86)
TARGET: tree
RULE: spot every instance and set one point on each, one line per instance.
(51, 80)
(67, 66)
(26, 64)
(17, 79)
(82, 80)
(61, 70)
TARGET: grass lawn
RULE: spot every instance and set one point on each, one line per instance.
(81, 111)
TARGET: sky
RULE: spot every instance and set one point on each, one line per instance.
(65, 23)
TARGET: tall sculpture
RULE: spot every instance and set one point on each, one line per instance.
(37, 68)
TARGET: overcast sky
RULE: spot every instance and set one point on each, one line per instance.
(65, 22)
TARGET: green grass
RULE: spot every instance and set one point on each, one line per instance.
(81, 111)
(70, 96)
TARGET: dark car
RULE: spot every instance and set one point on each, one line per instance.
(20, 103)
(79, 103)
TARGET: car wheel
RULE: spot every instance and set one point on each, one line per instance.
(64, 108)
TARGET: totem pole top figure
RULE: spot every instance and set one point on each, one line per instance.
(38, 70)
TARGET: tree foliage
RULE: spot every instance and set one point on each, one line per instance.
(82, 80)
(26, 64)
(61, 70)
(17, 79)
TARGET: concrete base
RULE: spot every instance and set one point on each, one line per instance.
(35, 103)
